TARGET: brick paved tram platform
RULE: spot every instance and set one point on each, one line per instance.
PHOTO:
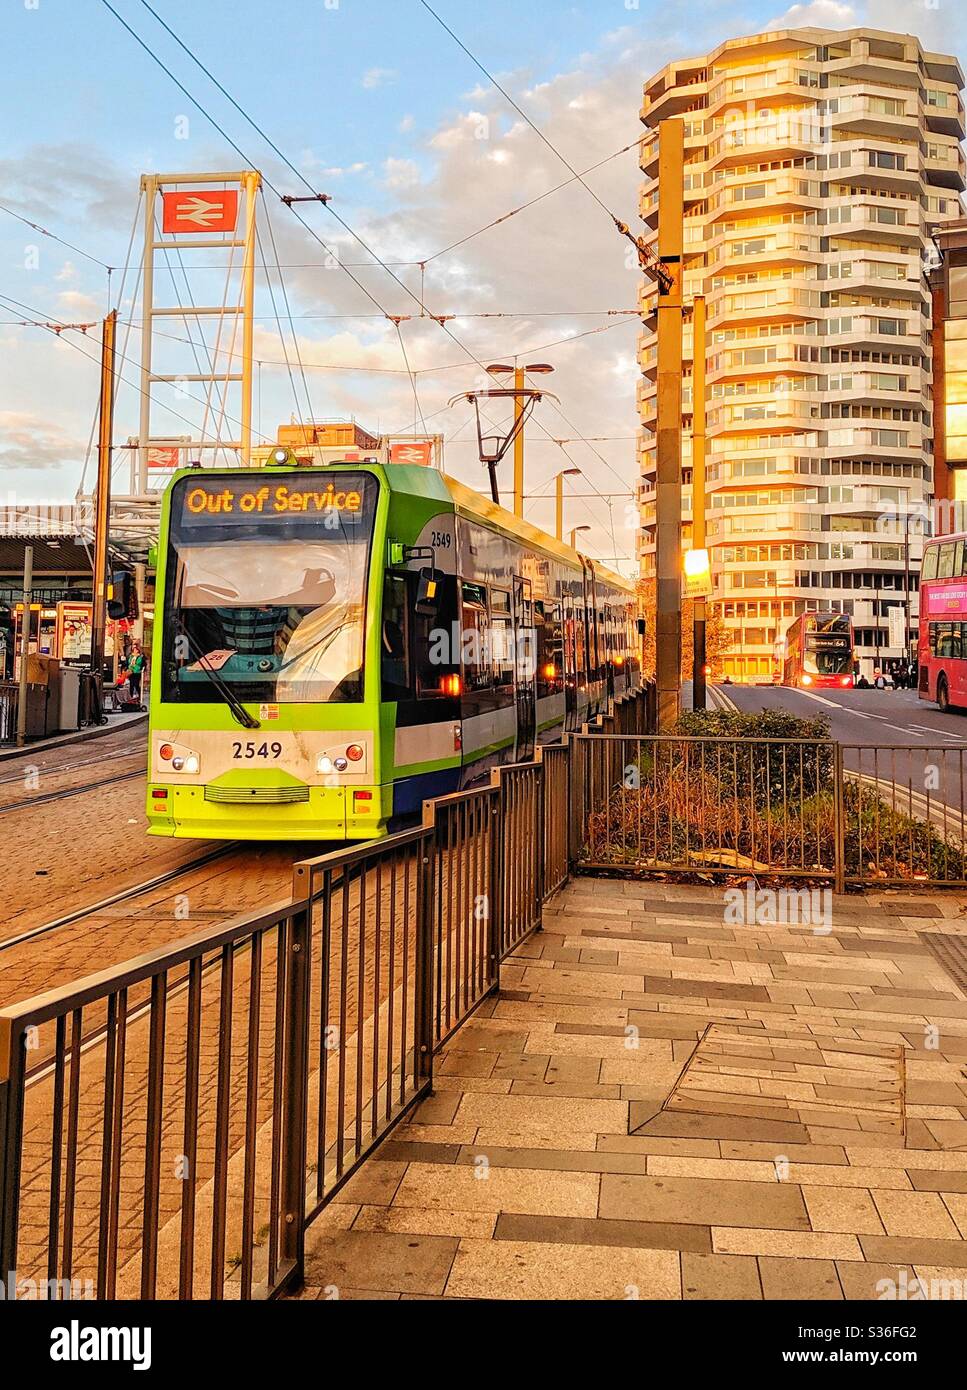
(666, 1103)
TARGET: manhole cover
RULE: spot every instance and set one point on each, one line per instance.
(951, 952)
(768, 1073)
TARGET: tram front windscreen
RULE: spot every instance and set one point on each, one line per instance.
(266, 587)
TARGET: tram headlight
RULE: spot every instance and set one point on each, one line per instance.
(178, 764)
(324, 763)
(191, 763)
(340, 764)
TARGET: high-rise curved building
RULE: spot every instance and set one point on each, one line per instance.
(818, 164)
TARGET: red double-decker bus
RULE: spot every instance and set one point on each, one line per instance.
(943, 622)
(819, 651)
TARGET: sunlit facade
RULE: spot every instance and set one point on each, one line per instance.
(818, 164)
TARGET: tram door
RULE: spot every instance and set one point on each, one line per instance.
(525, 669)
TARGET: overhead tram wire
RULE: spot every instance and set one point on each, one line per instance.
(36, 227)
(647, 258)
(404, 371)
(520, 111)
(575, 174)
(531, 202)
(237, 148)
(285, 350)
(127, 333)
(118, 375)
(288, 307)
(307, 184)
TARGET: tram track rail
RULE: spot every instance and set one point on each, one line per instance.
(134, 891)
(62, 793)
(59, 768)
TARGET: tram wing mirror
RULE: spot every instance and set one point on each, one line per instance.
(428, 593)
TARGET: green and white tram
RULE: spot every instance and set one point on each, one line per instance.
(338, 643)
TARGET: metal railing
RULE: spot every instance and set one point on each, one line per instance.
(771, 808)
(905, 814)
(719, 806)
(170, 1127)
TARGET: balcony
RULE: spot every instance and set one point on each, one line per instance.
(680, 95)
(869, 277)
(861, 330)
(769, 306)
(943, 111)
(870, 442)
(894, 224)
(886, 117)
(945, 168)
(752, 250)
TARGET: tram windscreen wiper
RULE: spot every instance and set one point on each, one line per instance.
(239, 713)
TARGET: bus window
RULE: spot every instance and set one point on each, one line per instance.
(958, 558)
(929, 570)
(945, 639)
(945, 561)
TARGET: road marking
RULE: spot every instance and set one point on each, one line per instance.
(937, 733)
(939, 813)
(722, 701)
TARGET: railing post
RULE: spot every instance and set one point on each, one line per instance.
(539, 807)
(298, 938)
(839, 828)
(11, 1146)
(427, 852)
(495, 907)
(577, 763)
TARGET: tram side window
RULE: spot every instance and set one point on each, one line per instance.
(395, 648)
(550, 648)
(580, 645)
(435, 664)
(478, 671)
(415, 647)
(502, 638)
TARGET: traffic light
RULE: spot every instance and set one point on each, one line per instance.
(122, 599)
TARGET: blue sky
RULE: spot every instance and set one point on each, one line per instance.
(382, 110)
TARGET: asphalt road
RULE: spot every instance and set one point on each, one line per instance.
(891, 736)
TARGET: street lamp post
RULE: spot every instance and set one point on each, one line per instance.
(559, 499)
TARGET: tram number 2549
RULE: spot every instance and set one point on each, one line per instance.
(246, 751)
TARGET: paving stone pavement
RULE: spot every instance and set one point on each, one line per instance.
(664, 1104)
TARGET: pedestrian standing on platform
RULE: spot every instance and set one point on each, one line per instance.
(135, 670)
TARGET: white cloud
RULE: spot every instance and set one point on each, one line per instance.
(377, 77)
(406, 124)
(76, 302)
(818, 14)
(28, 440)
(400, 174)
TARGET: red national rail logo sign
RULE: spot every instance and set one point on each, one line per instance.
(192, 210)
